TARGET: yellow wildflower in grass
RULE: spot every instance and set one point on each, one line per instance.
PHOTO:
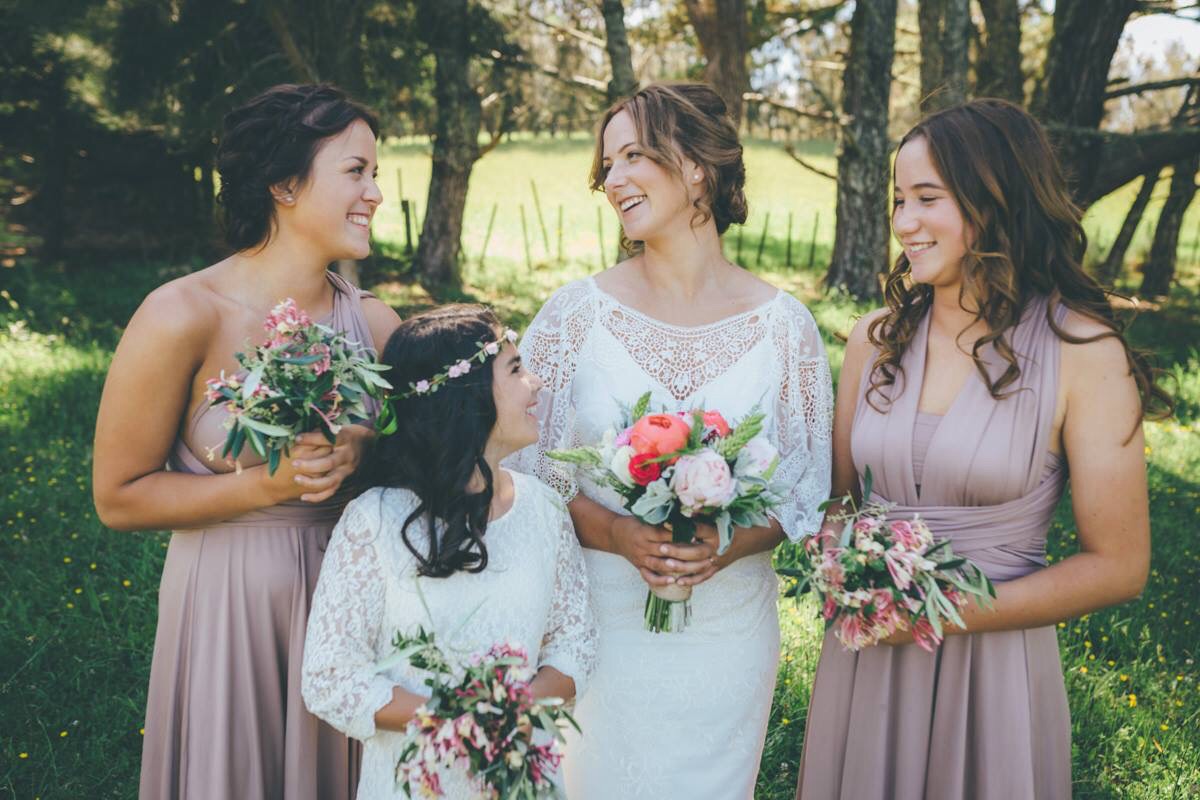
(1112, 663)
(66, 559)
(1083, 670)
(62, 734)
(1124, 677)
(1133, 701)
(92, 565)
(127, 583)
(23, 755)
(787, 721)
(78, 590)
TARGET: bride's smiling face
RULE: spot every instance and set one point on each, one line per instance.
(647, 197)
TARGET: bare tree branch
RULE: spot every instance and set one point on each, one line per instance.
(1151, 86)
(578, 81)
(279, 26)
(790, 149)
(574, 33)
(810, 113)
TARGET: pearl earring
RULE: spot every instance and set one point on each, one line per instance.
(696, 177)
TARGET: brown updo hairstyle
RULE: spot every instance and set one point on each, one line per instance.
(685, 120)
(1027, 239)
(270, 140)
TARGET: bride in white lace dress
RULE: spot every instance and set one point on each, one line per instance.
(677, 715)
(504, 553)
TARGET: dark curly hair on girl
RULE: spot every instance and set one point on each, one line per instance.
(438, 445)
(272, 140)
(685, 120)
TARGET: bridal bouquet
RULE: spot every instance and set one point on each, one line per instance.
(481, 723)
(304, 376)
(884, 576)
(680, 468)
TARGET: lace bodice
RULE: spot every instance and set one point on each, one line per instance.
(533, 593)
(594, 353)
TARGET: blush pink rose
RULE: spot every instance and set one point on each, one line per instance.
(703, 481)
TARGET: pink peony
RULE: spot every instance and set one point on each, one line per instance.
(703, 481)
(491, 348)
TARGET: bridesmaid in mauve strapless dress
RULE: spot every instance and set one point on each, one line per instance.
(232, 611)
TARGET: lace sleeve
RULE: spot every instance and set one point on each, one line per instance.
(339, 682)
(550, 350)
(804, 422)
(570, 641)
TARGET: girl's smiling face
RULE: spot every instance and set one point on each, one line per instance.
(926, 219)
(515, 393)
(332, 210)
(648, 198)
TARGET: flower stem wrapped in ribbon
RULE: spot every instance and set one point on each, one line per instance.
(886, 575)
(681, 468)
(304, 377)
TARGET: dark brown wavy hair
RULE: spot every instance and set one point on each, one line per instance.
(270, 140)
(685, 120)
(437, 448)
(1027, 240)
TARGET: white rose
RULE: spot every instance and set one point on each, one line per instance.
(620, 465)
(703, 481)
(756, 458)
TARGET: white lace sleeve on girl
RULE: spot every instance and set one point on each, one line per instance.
(803, 420)
(570, 642)
(550, 349)
(339, 682)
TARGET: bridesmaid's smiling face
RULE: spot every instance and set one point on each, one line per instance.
(331, 212)
(926, 218)
(649, 200)
(515, 392)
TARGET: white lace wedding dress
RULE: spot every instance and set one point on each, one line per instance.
(533, 593)
(683, 715)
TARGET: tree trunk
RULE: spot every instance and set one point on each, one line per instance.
(860, 247)
(998, 67)
(455, 143)
(1108, 272)
(1086, 34)
(723, 33)
(945, 30)
(1159, 270)
(616, 41)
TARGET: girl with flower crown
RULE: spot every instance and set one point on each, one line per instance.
(445, 537)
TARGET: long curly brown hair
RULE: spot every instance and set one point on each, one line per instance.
(1027, 241)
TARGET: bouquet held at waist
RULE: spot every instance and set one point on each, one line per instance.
(681, 468)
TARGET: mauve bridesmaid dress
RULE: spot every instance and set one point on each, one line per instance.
(984, 717)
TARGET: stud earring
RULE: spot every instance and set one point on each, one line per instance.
(696, 177)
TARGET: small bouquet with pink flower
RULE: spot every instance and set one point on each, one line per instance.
(479, 721)
(884, 576)
(681, 468)
(304, 377)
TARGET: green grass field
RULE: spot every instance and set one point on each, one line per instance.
(77, 610)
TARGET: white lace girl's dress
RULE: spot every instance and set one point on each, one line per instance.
(533, 593)
(679, 715)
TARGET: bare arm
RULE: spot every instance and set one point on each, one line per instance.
(145, 397)
(549, 682)
(396, 715)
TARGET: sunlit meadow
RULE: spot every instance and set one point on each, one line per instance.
(77, 610)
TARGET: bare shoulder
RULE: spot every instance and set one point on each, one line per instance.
(1106, 353)
(858, 339)
(382, 319)
(184, 309)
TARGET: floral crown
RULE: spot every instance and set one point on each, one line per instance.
(386, 423)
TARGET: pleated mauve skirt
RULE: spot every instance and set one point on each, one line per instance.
(224, 716)
(985, 717)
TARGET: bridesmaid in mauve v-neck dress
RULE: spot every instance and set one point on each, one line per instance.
(996, 365)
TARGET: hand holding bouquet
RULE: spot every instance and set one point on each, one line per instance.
(885, 576)
(304, 377)
(681, 468)
(481, 723)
